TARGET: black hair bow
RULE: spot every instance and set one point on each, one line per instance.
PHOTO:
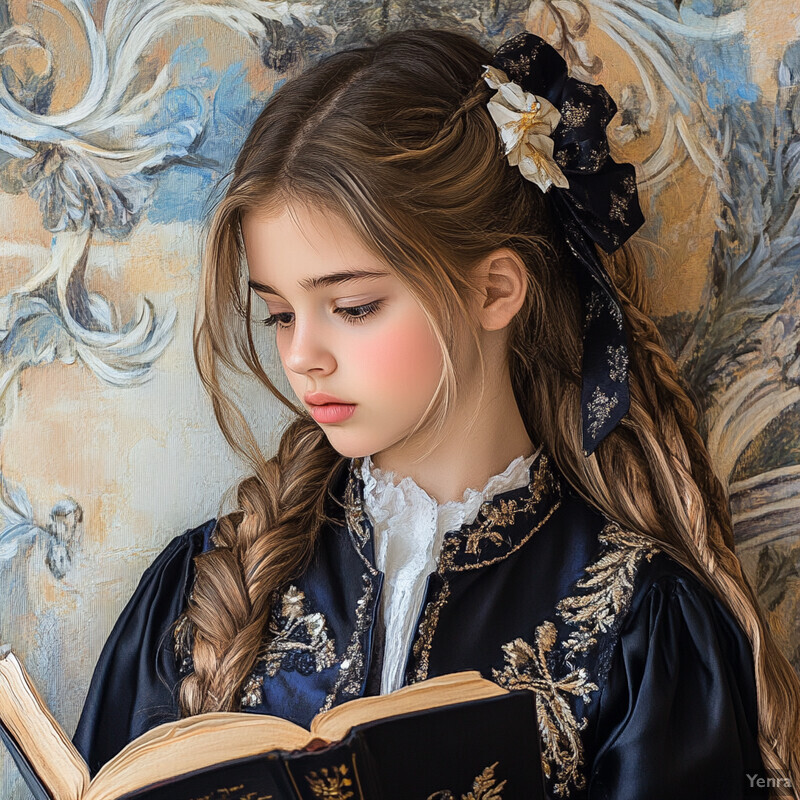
(600, 206)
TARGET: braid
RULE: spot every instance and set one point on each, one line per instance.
(453, 125)
(678, 416)
(706, 518)
(258, 549)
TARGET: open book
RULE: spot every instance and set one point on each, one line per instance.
(454, 737)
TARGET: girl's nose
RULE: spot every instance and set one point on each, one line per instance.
(307, 349)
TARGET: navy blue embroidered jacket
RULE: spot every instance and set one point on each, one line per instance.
(645, 683)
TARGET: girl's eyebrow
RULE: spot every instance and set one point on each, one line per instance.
(323, 280)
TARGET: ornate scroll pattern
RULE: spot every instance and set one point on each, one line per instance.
(93, 167)
(501, 527)
(527, 668)
(359, 527)
(297, 642)
(559, 671)
(484, 787)
(654, 41)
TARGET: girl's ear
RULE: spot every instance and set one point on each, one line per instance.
(500, 282)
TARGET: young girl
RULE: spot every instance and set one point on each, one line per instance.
(495, 463)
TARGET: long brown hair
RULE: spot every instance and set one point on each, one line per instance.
(396, 139)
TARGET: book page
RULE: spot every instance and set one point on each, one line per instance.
(38, 734)
(458, 687)
(185, 745)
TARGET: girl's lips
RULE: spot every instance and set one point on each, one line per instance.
(332, 412)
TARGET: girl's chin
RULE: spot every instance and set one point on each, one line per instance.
(352, 447)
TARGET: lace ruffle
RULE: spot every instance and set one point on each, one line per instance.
(409, 527)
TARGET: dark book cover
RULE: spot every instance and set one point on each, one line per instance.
(479, 750)
(486, 748)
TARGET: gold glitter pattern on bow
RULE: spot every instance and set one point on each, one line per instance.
(574, 115)
(599, 409)
(617, 362)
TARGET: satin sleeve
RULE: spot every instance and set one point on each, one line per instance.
(678, 713)
(135, 681)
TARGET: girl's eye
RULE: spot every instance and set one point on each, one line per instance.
(276, 319)
(353, 314)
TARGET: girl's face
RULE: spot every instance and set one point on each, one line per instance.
(345, 327)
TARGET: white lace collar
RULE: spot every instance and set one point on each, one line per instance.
(408, 529)
(383, 485)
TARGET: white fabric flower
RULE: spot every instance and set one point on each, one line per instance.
(525, 122)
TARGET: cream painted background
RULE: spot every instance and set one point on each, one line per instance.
(108, 447)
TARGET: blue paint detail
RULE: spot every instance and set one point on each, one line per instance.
(183, 189)
(177, 105)
(180, 194)
(723, 67)
(711, 8)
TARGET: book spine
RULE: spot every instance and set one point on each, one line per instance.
(34, 783)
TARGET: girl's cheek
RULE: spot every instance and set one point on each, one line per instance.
(402, 353)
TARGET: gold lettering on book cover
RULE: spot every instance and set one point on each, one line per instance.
(232, 793)
(332, 784)
(484, 787)
(597, 607)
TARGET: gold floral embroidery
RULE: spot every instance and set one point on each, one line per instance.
(629, 183)
(610, 583)
(617, 362)
(619, 208)
(484, 787)
(598, 607)
(331, 784)
(427, 627)
(297, 641)
(357, 523)
(594, 305)
(351, 667)
(464, 549)
(574, 115)
(520, 66)
(526, 668)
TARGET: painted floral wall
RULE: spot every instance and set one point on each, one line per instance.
(117, 119)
